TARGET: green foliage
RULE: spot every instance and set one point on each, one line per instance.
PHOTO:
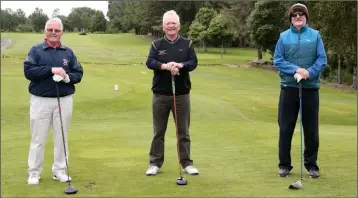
(38, 19)
(266, 22)
(199, 27)
(196, 31)
(81, 17)
(218, 32)
(98, 22)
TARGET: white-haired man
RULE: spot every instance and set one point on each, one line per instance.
(49, 63)
(171, 55)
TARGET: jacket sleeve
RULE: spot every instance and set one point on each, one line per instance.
(76, 71)
(192, 62)
(32, 71)
(321, 61)
(280, 63)
(152, 61)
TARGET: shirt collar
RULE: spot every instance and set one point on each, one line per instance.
(45, 45)
(303, 28)
(170, 41)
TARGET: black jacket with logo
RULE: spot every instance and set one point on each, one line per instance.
(164, 51)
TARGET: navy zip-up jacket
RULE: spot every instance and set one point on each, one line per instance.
(164, 51)
(37, 69)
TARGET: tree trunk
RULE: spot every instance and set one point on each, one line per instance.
(222, 49)
(339, 70)
(355, 72)
(259, 53)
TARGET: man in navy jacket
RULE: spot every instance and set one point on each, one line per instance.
(49, 63)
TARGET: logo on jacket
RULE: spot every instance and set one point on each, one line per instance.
(162, 52)
(65, 62)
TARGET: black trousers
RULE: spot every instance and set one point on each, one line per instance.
(288, 112)
(162, 105)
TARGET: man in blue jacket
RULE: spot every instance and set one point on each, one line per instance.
(299, 50)
(49, 63)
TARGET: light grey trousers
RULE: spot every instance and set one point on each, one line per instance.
(44, 114)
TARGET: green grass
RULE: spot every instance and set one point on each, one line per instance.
(233, 129)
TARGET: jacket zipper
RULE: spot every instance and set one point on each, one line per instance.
(299, 47)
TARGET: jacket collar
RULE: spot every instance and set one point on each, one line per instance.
(303, 29)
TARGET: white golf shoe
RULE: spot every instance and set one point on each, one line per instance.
(191, 170)
(152, 170)
(62, 176)
(34, 178)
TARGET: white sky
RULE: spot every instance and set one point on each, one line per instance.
(48, 6)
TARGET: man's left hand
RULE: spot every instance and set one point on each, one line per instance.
(305, 74)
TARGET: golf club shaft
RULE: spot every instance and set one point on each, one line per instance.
(176, 122)
(300, 95)
(63, 136)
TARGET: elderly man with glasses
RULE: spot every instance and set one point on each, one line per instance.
(299, 50)
(46, 64)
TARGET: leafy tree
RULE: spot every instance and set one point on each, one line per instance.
(98, 22)
(38, 19)
(266, 22)
(201, 24)
(80, 18)
(219, 32)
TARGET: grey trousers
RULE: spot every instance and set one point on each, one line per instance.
(161, 107)
(44, 114)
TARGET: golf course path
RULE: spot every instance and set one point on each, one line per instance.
(4, 44)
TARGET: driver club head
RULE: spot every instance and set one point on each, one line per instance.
(181, 181)
(296, 185)
(70, 190)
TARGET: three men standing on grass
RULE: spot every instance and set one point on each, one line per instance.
(299, 50)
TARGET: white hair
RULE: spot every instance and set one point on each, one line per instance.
(171, 13)
(54, 20)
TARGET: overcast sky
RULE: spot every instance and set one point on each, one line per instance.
(48, 6)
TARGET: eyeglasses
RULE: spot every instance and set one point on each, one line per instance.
(53, 30)
(297, 13)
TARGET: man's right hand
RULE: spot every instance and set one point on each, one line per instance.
(59, 71)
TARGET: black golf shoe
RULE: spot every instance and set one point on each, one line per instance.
(314, 173)
(283, 172)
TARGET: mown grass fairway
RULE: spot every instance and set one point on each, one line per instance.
(233, 128)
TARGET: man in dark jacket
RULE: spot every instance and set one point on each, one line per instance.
(49, 63)
(299, 52)
(171, 55)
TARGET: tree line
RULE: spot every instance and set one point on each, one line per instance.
(222, 24)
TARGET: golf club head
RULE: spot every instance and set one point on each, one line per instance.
(181, 181)
(296, 185)
(70, 190)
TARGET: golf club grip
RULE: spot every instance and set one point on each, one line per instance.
(300, 89)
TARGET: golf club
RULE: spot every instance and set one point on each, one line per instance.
(298, 184)
(181, 180)
(70, 189)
